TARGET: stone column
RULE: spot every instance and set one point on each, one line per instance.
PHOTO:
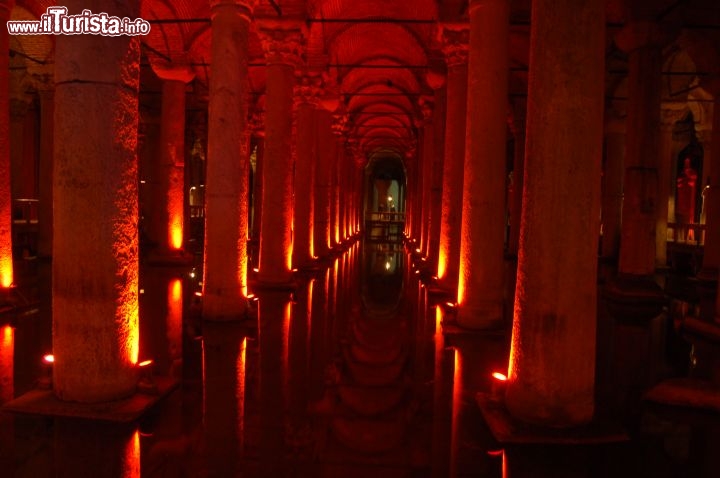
(612, 194)
(95, 197)
(326, 160)
(437, 172)
(306, 95)
(228, 164)
(480, 285)
(455, 47)
(425, 187)
(339, 123)
(21, 150)
(6, 264)
(552, 360)
(282, 51)
(257, 128)
(519, 107)
(45, 190)
(172, 159)
(636, 268)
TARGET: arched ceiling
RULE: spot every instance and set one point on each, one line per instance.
(378, 53)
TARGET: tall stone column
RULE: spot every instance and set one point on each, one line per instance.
(636, 267)
(519, 107)
(95, 197)
(339, 125)
(480, 285)
(426, 163)
(6, 264)
(45, 190)
(282, 51)
(257, 128)
(552, 360)
(306, 97)
(326, 160)
(172, 159)
(612, 193)
(437, 172)
(228, 164)
(455, 47)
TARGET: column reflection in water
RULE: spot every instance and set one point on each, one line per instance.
(274, 322)
(319, 355)
(224, 352)
(106, 450)
(7, 431)
(442, 401)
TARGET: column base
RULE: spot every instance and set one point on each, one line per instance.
(508, 430)
(634, 298)
(45, 403)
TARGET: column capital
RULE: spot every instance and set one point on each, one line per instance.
(640, 34)
(308, 89)
(256, 122)
(282, 42)
(179, 70)
(671, 113)
(340, 124)
(455, 38)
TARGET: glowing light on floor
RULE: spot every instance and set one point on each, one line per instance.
(131, 465)
(49, 358)
(176, 235)
(499, 376)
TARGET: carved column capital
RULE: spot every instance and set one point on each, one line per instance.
(308, 90)
(282, 43)
(455, 39)
(178, 69)
(340, 124)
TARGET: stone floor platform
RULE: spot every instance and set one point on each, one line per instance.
(508, 430)
(43, 402)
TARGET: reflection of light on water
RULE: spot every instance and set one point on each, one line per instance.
(132, 457)
(7, 348)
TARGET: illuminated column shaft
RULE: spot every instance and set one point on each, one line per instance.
(306, 96)
(449, 255)
(95, 249)
(6, 265)
(281, 47)
(172, 156)
(45, 173)
(480, 285)
(326, 158)
(226, 190)
(552, 361)
(437, 177)
(637, 244)
(428, 150)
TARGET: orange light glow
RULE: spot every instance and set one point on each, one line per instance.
(176, 236)
(145, 363)
(131, 465)
(495, 452)
(461, 286)
(7, 352)
(49, 358)
(499, 376)
(6, 271)
(442, 264)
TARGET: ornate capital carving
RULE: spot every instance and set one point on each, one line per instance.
(283, 45)
(308, 89)
(455, 40)
(340, 124)
(176, 70)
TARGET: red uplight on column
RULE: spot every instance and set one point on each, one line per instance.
(6, 266)
(7, 351)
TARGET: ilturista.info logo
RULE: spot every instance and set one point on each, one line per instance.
(56, 21)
